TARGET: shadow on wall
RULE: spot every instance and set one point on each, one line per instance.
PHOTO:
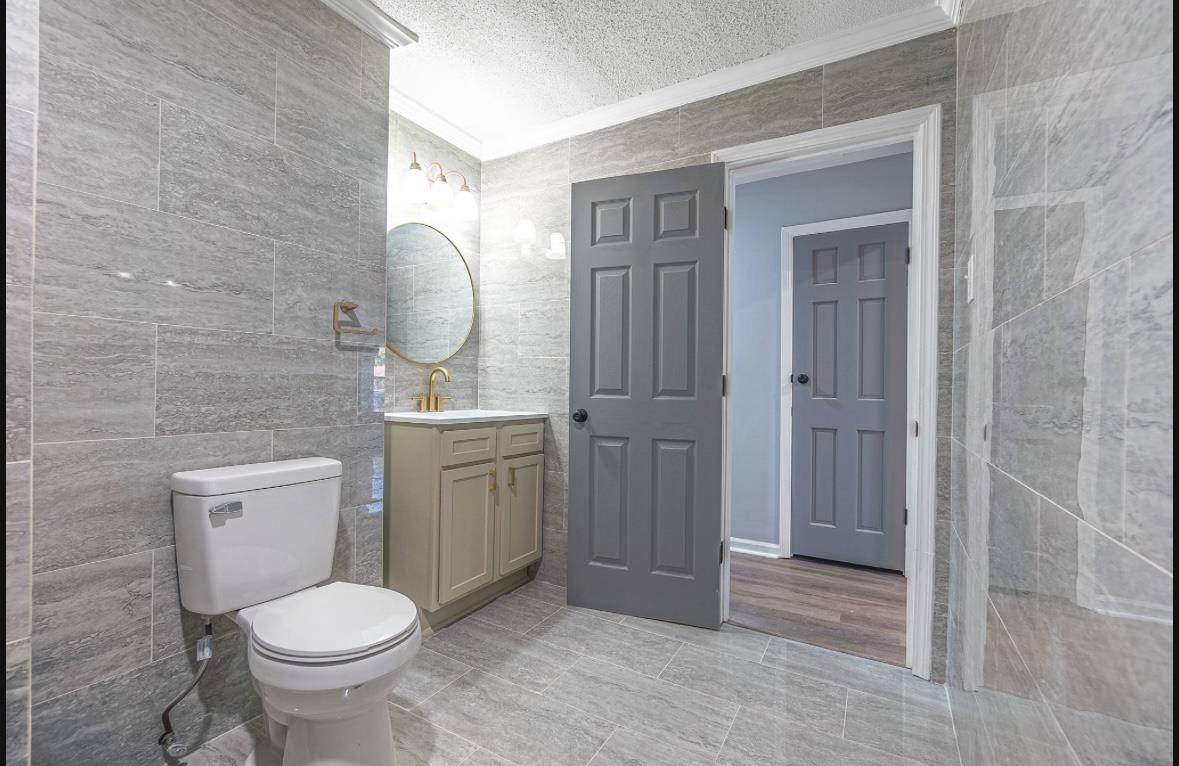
(1061, 621)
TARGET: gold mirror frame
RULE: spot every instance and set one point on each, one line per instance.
(470, 281)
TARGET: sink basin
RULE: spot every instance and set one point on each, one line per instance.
(460, 416)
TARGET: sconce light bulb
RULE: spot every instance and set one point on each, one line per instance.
(414, 183)
(441, 195)
(526, 232)
(556, 246)
(465, 204)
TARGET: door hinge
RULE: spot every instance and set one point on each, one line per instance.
(916, 428)
(726, 209)
(908, 254)
(722, 552)
(906, 517)
(724, 385)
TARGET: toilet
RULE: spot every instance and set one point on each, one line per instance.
(255, 542)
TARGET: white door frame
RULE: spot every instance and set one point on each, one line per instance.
(920, 127)
(786, 425)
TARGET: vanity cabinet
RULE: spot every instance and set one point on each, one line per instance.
(463, 507)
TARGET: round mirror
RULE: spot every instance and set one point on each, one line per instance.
(430, 294)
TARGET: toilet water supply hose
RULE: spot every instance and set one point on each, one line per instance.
(204, 653)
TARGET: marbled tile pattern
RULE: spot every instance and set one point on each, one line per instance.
(1060, 640)
(97, 135)
(106, 100)
(16, 702)
(712, 700)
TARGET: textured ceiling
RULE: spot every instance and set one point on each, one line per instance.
(495, 67)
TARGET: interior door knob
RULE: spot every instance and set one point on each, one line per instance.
(580, 416)
(803, 378)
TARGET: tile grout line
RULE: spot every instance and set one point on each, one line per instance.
(151, 622)
(728, 732)
(953, 724)
(603, 745)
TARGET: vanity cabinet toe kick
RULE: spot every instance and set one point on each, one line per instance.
(463, 511)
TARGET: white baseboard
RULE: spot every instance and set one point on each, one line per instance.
(755, 548)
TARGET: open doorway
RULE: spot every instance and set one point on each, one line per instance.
(828, 330)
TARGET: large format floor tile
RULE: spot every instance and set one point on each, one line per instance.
(511, 656)
(757, 739)
(661, 710)
(514, 723)
(621, 645)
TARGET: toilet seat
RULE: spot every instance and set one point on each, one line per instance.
(338, 622)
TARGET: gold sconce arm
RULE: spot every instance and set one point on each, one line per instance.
(348, 307)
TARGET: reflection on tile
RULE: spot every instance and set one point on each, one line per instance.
(96, 135)
(318, 119)
(626, 748)
(98, 499)
(730, 639)
(757, 739)
(17, 567)
(817, 704)
(522, 726)
(221, 381)
(91, 622)
(221, 176)
(622, 645)
(428, 673)
(1150, 404)
(369, 532)
(836, 668)
(176, 52)
(522, 660)
(19, 140)
(649, 706)
(516, 612)
(1019, 261)
(417, 741)
(915, 728)
(104, 722)
(16, 703)
(235, 746)
(754, 113)
(20, 60)
(93, 378)
(97, 257)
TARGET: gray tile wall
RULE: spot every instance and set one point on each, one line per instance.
(1062, 569)
(403, 379)
(524, 297)
(190, 185)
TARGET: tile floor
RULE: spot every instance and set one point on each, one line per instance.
(529, 680)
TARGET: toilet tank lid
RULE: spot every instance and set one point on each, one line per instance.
(243, 478)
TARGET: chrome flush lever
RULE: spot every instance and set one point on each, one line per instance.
(225, 509)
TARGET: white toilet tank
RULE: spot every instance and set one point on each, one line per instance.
(251, 533)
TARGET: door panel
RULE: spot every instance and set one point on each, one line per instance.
(848, 453)
(647, 312)
(519, 511)
(466, 528)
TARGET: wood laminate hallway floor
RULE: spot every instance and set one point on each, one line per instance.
(848, 609)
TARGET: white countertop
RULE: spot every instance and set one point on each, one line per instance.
(453, 417)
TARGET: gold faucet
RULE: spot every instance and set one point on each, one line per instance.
(432, 402)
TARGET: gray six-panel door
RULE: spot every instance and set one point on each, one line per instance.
(646, 312)
(848, 434)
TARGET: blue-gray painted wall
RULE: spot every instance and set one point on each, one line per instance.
(762, 209)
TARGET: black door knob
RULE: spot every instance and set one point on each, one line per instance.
(580, 416)
(804, 378)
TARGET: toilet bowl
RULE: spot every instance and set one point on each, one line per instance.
(257, 542)
(324, 661)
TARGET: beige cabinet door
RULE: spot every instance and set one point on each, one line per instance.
(466, 546)
(521, 499)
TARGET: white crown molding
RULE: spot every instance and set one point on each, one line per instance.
(881, 33)
(374, 22)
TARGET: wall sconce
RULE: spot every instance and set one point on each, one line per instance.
(526, 232)
(433, 188)
(556, 249)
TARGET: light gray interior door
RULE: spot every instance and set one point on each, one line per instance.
(647, 311)
(848, 443)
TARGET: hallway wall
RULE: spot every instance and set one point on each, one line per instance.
(524, 297)
(1061, 607)
(761, 209)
